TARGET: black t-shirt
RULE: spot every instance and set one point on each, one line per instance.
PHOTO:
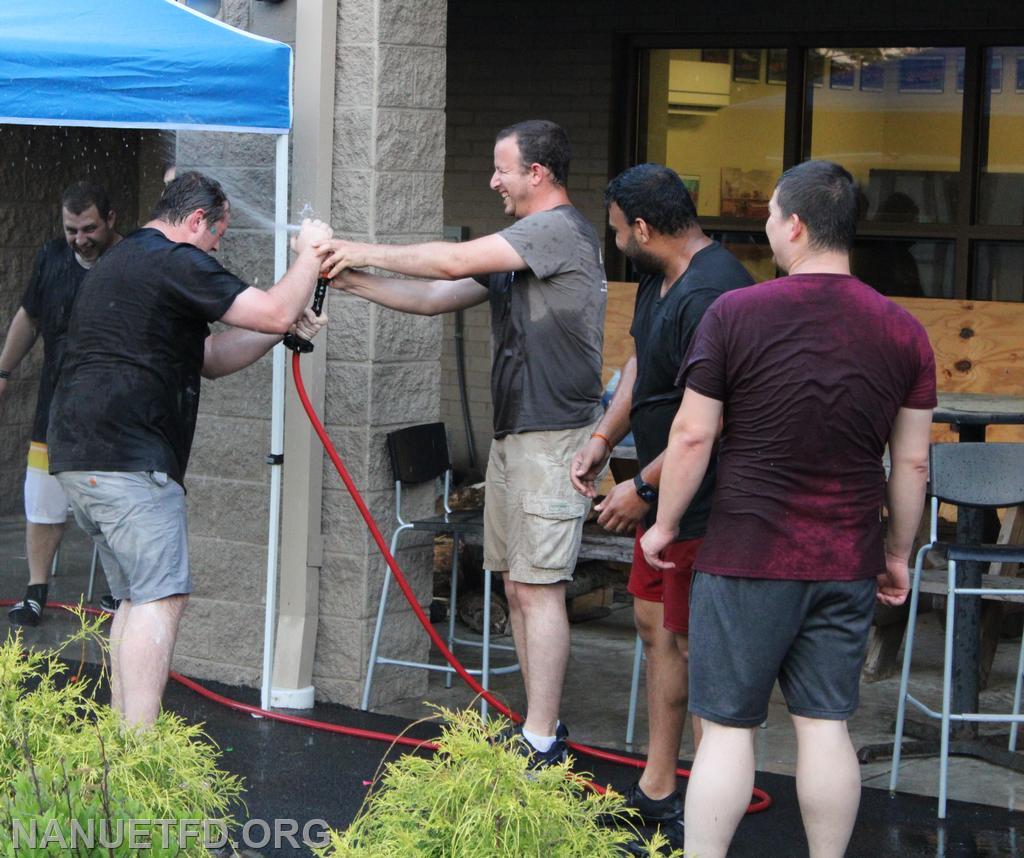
(48, 299)
(662, 329)
(128, 392)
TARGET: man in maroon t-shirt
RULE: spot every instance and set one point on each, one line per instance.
(814, 373)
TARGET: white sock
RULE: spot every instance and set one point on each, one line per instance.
(541, 743)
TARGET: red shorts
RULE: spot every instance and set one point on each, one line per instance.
(671, 587)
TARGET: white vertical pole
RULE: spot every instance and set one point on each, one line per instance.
(276, 424)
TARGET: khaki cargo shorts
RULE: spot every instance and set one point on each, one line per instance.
(533, 517)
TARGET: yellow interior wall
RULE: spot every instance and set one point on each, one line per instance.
(862, 130)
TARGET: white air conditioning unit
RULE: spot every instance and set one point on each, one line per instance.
(696, 87)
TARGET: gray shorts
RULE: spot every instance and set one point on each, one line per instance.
(137, 519)
(747, 632)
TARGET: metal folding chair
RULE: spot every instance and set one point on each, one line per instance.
(985, 475)
(419, 454)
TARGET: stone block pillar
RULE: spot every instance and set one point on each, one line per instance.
(383, 368)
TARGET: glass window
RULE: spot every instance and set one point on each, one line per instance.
(998, 271)
(716, 116)
(1001, 191)
(905, 267)
(751, 249)
(868, 108)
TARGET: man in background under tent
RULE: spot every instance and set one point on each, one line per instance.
(124, 411)
(61, 266)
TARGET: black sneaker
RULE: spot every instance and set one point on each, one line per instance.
(665, 813)
(108, 604)
(553, 756)
(28, 611)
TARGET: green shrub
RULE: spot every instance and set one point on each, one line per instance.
(66, 761)
(475, 798)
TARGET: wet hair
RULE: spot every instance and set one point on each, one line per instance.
(188, 192)
(541, 142)
(824, 196)
(78, 196)
(656, 194)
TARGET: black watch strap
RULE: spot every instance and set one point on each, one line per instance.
(646, 491)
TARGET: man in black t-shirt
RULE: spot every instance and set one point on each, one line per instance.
(61, 266)
(682, 273)
(124, 411)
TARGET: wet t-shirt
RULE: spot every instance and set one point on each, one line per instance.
(662, 328)
(812, 370)
(547, 325)
(48, 299)
(128, 392)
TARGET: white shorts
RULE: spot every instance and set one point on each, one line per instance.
(45, 501)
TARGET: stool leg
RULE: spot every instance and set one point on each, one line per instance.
(634, 690)
(1016, 695)
(908, 652)
(453, 602)
(364, 704)
(56, 562)
(947, 685)
(485, 665)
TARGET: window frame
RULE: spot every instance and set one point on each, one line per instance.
(965, 231)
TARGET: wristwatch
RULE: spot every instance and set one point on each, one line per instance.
(646, 491)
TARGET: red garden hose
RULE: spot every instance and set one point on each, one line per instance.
(761, 801)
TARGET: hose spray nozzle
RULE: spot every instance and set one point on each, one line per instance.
(297, 343)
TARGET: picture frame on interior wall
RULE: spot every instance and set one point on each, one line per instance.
(922, 74)
(1020, 74)
(692, 184)
(872, 77)
(841, 74)
(995, 73)
(714, 55)
(778, 63)
(960, 73)
(746, 65)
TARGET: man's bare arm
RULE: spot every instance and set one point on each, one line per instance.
(422, 297)
(435, 260)
(21, 336)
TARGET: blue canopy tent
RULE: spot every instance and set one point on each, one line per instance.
(156, 64)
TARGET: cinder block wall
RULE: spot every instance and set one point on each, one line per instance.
(36, 164)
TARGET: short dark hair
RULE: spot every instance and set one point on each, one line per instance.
(656, 194)
(824, 196)
(188, 192)
(541, 142)
(78, 196)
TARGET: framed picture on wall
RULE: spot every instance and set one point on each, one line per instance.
(922, 74)
(778, 62)
(746, 65)
(872, 77)
(692, 184)
(1020, 74)
(841, 74)
(714, 55)
(960, 73)
(995, 73)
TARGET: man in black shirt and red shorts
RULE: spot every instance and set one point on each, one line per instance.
(124, 411)
(682, 273)
(813, 374)
(61, 266)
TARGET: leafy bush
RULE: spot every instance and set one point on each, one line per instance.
(66, 761)
(475, 798)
